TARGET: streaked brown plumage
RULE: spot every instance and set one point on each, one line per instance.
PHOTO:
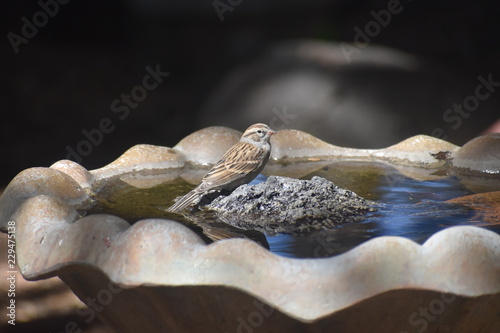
(239, 165)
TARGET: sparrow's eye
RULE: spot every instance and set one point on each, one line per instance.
(259, 131)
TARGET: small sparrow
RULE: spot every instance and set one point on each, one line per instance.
(239, 165)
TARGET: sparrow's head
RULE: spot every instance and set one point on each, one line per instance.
(258, 133)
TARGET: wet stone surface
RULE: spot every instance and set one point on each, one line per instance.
(288, 205)
(480, 157)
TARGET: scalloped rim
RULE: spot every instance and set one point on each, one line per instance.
(467, 258)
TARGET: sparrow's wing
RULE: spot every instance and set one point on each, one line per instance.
(240, 160)
(184, 202)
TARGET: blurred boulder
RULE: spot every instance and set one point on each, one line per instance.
(370, 99)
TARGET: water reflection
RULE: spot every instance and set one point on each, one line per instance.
(412, 207)
(407, 207)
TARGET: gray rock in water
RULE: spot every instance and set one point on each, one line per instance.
(288, 205)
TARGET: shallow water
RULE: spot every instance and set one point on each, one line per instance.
(407, 207)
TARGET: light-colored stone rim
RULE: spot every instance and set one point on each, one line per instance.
(45, 202)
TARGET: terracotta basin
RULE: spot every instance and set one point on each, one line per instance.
(157, 275)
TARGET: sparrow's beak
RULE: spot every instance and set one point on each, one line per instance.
(271, 132)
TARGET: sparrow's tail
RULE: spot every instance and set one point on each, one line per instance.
(184, 202)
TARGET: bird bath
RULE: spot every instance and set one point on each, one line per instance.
(427, 259)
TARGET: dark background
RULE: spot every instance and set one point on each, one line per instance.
(63, 81)
(65, 78)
